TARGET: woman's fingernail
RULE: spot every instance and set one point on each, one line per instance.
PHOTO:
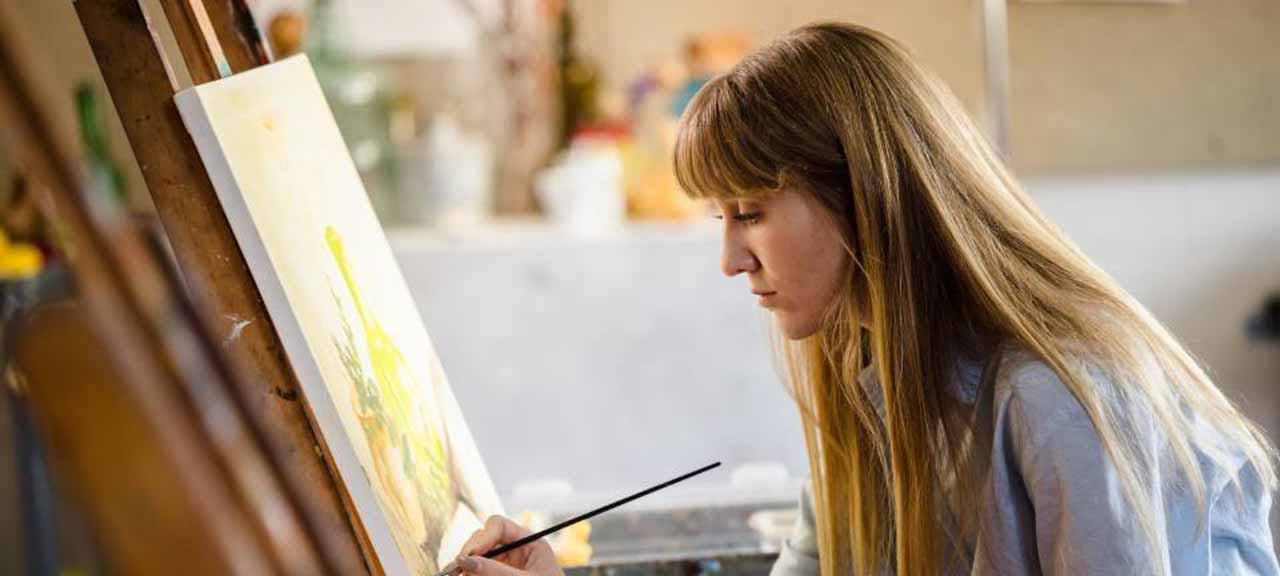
(468, 564)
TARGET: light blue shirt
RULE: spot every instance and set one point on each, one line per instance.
(1053, 502)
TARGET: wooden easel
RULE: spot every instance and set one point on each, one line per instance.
(218, 439)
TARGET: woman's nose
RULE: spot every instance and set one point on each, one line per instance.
(736, 259)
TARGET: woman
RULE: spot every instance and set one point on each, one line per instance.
(978, 396)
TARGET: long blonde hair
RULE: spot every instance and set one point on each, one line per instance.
(944, 247)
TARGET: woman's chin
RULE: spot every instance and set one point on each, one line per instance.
(795, 328)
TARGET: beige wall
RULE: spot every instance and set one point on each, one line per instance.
(625, 36)
(1094, 87)
(1132, 87)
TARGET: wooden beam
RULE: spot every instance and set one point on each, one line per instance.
(217, 277)
(135, 398)
(120, 472)
(107, 436)
(239, 34)
(200, 46)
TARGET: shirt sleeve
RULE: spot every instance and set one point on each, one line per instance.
(1083, 522)
(1242, 542)
(799, 554)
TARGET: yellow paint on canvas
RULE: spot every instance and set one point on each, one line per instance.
(410, 458)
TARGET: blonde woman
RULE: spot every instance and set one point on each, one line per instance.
(978, 396)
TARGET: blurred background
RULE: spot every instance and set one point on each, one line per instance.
(518, 154)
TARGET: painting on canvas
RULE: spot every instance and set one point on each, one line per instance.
(344, 314)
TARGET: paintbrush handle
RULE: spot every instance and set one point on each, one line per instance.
(542, 533)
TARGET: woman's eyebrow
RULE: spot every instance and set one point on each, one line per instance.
(728, 205)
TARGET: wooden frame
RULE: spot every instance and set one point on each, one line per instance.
(215, 38)
(219, 437)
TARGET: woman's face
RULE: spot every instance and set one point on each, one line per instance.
(791, 251)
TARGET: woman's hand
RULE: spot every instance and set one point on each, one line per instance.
(532, 559)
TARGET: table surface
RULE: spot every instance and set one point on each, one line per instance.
(683, 541)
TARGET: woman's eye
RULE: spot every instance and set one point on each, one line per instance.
(747, 217)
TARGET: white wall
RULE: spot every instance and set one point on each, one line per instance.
(1202, 251)
(617, 362)
(610, 363)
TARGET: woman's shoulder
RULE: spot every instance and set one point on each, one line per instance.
(1030, 397)
(1032, 401)
(1027, 384)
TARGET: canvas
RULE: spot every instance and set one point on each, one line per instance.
(337, 298)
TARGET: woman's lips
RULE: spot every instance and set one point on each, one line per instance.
(766, 299)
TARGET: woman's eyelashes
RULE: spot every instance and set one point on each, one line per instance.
(745, 218)
(746, 215)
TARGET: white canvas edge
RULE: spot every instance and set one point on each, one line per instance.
(310, 377)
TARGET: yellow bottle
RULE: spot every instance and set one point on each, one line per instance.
(18, 260)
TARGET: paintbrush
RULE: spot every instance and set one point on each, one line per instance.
(452, 568)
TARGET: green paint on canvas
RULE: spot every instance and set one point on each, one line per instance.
(412, 474)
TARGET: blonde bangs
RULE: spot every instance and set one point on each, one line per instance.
(716, 156)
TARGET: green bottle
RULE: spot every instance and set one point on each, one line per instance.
(579, 82)
(104, 181)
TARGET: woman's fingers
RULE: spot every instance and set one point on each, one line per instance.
(533, 559)
(497, 531)
(485, 567)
